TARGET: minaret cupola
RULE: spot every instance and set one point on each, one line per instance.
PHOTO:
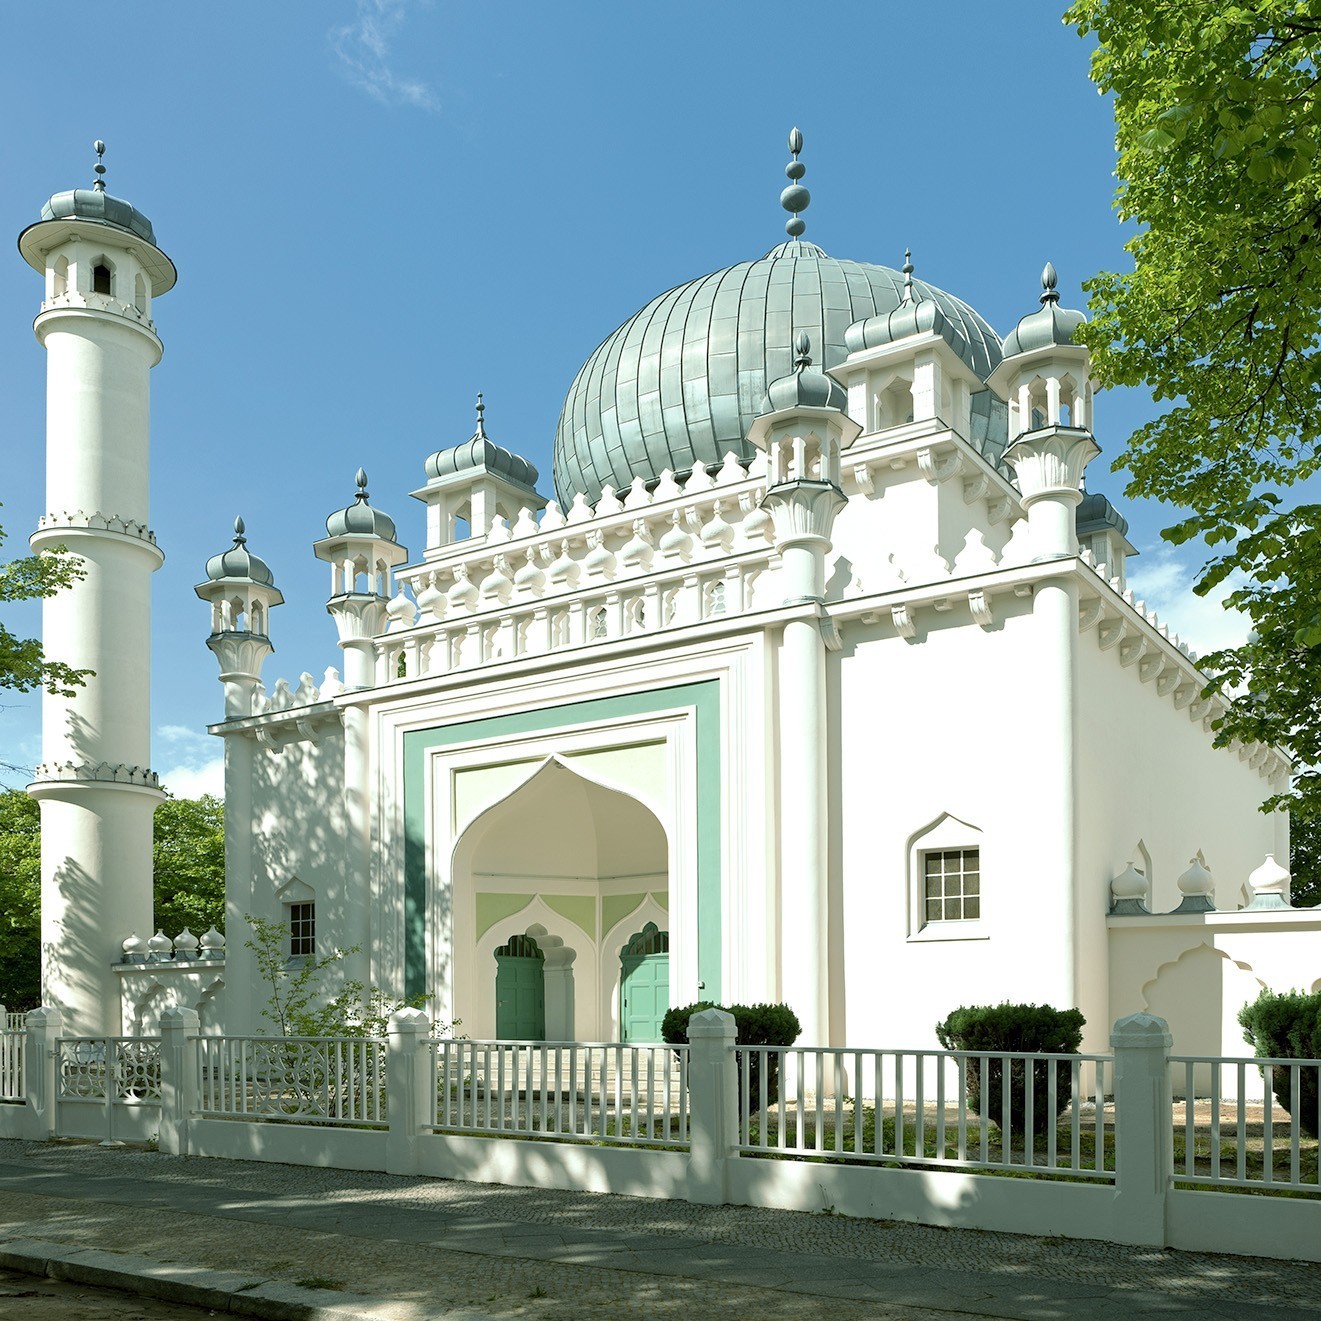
(241, 591)
(475, 483)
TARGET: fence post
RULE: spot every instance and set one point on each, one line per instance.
(410, 1087)
(179, 1028)
(1144, 1134)
(44, 1027)
(713, 1105)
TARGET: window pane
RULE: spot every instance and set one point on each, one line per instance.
(972, 884)
(933, 910)
(972, 907)
(951, 910)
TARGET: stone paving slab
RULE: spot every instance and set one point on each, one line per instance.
(663, 1256)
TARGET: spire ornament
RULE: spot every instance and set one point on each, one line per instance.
(802, 351)
(99, 147)
(481, 421)
(795, 198)
(909, 295)
(1049, 294)
(239, 538)
(361, 479)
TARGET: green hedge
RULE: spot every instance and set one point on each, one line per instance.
(756, 1025)
(1015, 1029)
(1287, 1026)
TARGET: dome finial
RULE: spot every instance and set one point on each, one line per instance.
(361, 478)
(909, 295)
(795, 198)
(481, 421)
(239, 538)
(1048, 279)
(99, 147)
(802, 351)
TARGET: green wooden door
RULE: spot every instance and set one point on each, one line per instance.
(520, 991)
(644, 984)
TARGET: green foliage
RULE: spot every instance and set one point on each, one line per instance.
(188, 865)
(1305, 859)
(755, 1025)
(20, 900)
(1015, 1029)
(298, 1003)
(1287, 1025)
(1218, 132)
(23, 663)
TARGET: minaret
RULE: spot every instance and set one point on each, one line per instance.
(102, 269)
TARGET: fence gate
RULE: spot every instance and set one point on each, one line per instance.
(108, 1088)
(520, 990)
(644, 984)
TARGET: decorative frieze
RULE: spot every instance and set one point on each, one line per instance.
(102, 772)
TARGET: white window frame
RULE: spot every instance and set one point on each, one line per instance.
(946, 834)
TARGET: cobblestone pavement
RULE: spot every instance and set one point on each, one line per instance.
(25, 1298)
(442, 1245)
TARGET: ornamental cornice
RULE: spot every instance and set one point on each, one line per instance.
(101, 306)
(77, 520)
(101, 772)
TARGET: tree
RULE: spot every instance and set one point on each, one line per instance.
(188, 853)
(1218, 134)
(23, 663)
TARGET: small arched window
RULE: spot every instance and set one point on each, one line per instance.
(100, 278)
(599, 623)
(140, 294)
(61, 283)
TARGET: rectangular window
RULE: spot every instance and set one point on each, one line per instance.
(302, 931)
(952, 885)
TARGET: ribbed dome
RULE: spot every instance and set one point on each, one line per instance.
(805, 386)
(685, 378)
(1049, 324)
(93, 204)
(359, 518)
(482, 452)
(239, 564)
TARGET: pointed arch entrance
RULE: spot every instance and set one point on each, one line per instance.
(586, 863)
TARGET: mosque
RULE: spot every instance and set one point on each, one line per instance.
(817, 679)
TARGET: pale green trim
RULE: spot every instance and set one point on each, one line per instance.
(616, 907)
(493, 908)
(661, 899)
(580, 909)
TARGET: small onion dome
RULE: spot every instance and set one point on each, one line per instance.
(239, 564)
(160, 946)
(135, 949)
(804, 388)
(212, 943)
(1095, 512)
(1270, 883)
(482, 452)
(185, 945)
(360, 519)
(915, 315)
(91, 204)
(1050, 324)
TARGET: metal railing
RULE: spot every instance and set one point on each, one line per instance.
(13, 1082)
(1225, 1137)
(929, 1108)
(118, 1070)
(309, 1080)
(617, 1092)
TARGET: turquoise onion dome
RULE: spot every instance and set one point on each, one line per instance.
(1049, 324)
(359, 519)
(482, 452)
(238, 564)
(804, 387)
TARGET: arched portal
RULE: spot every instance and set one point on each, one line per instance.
(585, 863)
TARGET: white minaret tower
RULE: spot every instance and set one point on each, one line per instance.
(102, 269)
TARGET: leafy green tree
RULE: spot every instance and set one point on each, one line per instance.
(188, 864)
(1305, 861)
(20, 900)
(23, 663)
(1218, 133)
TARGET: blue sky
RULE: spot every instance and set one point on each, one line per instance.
(380, 207)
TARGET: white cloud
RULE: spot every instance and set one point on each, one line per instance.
(363, 51)
(196, 766)
(1165, 581)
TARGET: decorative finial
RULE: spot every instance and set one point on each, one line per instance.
(481, 421)
(361, 478)
(795, 198)
(1048, 278)
(99, 147)
(239, 538)
(802, 349)
(909, 296)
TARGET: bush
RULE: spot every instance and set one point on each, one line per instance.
(1288, 1026)
(756, 1025)
(1015, 1029)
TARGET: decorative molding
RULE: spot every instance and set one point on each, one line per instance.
(101, 772)
(999, 510)
(976, 487)
(1090, 613)
(980, 605)
(904, 623)
(863, 478)
(97, 522)
(936, 470)
(1131, 650)
(1111, 632)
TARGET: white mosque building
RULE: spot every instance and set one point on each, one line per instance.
(816, 679)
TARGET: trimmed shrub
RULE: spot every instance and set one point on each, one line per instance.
(757, 1025)
(1007, 1029)
(1287, 1026)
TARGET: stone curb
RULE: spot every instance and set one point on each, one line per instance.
(221, 1291)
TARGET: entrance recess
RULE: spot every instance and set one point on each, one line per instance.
(520, 990)
(644, 984)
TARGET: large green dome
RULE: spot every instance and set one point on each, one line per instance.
(685, 378)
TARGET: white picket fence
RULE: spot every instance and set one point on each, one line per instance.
(1098, 1145)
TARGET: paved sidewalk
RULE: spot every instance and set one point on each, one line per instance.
(436, 1248)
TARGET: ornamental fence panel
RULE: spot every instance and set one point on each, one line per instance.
(308, 1080)
(1226, 1138)
(107, 1087)
(1031, 1113)
(621, 1092)
(13, 1049)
